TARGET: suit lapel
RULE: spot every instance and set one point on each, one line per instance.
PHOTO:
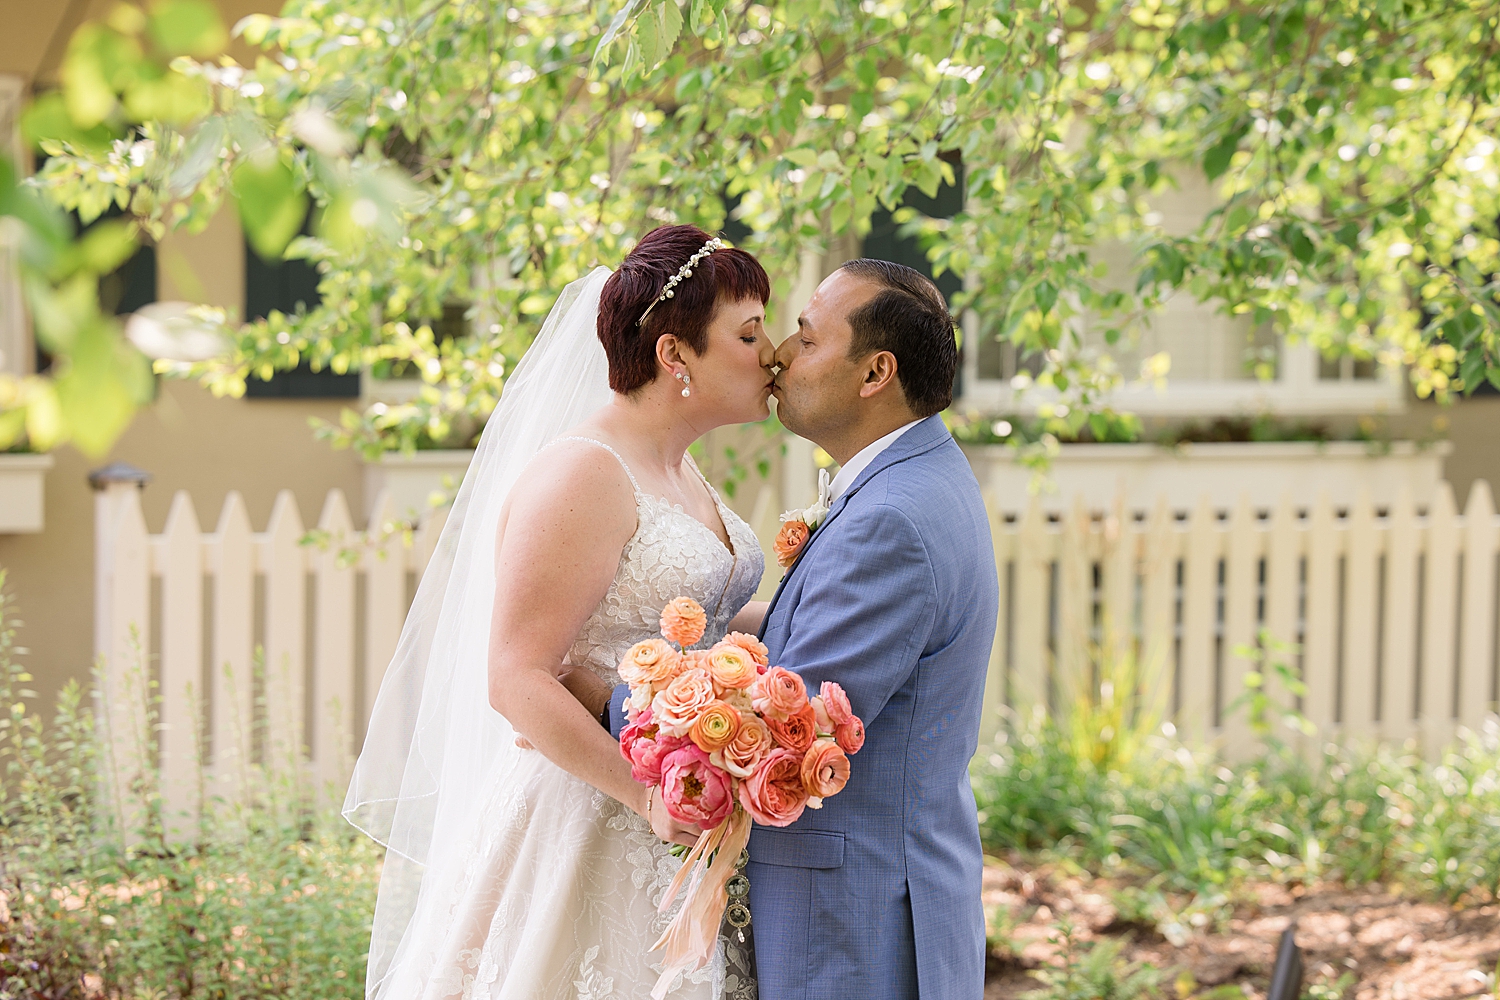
(920, 439)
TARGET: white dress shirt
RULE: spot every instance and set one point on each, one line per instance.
(850, 470)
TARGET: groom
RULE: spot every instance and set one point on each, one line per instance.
(894, 597)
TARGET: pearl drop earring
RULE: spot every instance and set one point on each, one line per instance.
(686, 380)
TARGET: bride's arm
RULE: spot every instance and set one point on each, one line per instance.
(569, 518)
(749, 618)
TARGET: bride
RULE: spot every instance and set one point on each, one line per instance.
(535, 874)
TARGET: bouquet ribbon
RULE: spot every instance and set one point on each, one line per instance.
(689, 938)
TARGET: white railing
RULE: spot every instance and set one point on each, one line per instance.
(266, 651)
(253, 650)
(1392, 613)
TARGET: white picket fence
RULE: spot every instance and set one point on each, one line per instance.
(258, 652)
(1392, 613)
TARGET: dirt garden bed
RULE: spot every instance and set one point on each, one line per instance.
(1385, 946)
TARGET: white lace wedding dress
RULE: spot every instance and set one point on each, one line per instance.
(555, 896)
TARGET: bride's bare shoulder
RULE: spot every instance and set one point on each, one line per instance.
(575, 481)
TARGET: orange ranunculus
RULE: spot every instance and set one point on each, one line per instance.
(778, 693)
(731, 667)
(678, 707)
(715, 727)
(649, 662)
(789, 542)
(752, 741)
(774, 794)
(683, 621)
(825, 769)
(753, 646)
(797, 731)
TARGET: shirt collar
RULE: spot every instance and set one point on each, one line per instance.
(850, 470)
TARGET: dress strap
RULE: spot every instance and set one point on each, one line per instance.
(600, 444)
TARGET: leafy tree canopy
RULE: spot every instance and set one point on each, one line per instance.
(485, 153)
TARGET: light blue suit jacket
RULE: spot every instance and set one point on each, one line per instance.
(876, 895)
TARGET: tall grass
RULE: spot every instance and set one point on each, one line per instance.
(272, 899)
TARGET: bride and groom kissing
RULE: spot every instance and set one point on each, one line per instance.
(524, 860)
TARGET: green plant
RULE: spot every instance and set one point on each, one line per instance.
(1094, 972)
(272, 899)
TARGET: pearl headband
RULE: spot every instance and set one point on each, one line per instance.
(682, 275)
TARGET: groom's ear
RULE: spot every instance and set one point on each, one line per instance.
(880, 374)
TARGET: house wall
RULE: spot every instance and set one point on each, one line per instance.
(187, 439)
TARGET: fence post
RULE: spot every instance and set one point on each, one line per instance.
(182, 722)
(1476, 668)
(1398, 687)
(333, 644)
(1241, 566)
(1361, 557)
(1200, 585)
(284, 564)
(1028, 679)
(1283, 579)
(1320, 644)
(1075, 605)
(122, 639)
(385, 598)
(1158, 569)
(1436, 696)
(232, 704)
(995, 694)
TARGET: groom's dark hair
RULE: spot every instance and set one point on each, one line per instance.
(909, 318)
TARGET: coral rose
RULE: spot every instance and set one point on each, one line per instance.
(796, 732)
(678, 707)
(789, 542)
(752, 741)
(753, 646)
(683, 621)
(715, 727)
(774, 795)
(778, 693)
(825, 769)
(836, 702)
(731, 667)
(851, 735)
(693, 790)
(650, 662)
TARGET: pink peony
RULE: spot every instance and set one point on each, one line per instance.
(778, 693)
(774, 795)
(836, 703)
(644, 745)
(693, 790)
(851, 735)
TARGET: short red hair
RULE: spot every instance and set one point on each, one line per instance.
(725, 275)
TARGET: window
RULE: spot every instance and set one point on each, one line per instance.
(286, 286)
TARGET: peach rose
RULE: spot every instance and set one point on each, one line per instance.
(820, 714)
(836, 702)
(753, 646)
(678, 707)
(774, 795)
(752, 741)
(778, 693)
(850, 735)
(796, 732)
(650, 662)
(715, 727)
(789, 542)
(731, 667)
(683, 621)
(825, 769)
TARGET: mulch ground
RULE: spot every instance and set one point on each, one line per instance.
(1395, 947)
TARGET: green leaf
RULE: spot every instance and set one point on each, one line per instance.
(671, 26)
(187, 28)
(1217, 159)
(271, 202)
(702, 16)
(200, 154)
(648, 34)
(1045, 296)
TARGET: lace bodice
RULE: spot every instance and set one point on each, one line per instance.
(672, 554)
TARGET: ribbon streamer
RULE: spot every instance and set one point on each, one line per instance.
(689, 938)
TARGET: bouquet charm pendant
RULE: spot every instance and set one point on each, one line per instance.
(737, 913)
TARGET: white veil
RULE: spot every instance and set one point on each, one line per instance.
(432, 734)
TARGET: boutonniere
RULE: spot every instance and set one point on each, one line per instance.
(797, 526)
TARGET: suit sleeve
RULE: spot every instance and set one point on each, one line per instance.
(866, 609)
(617, 720)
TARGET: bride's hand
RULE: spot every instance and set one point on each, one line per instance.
(662, 823)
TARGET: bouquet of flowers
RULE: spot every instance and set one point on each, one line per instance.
(730, 739)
